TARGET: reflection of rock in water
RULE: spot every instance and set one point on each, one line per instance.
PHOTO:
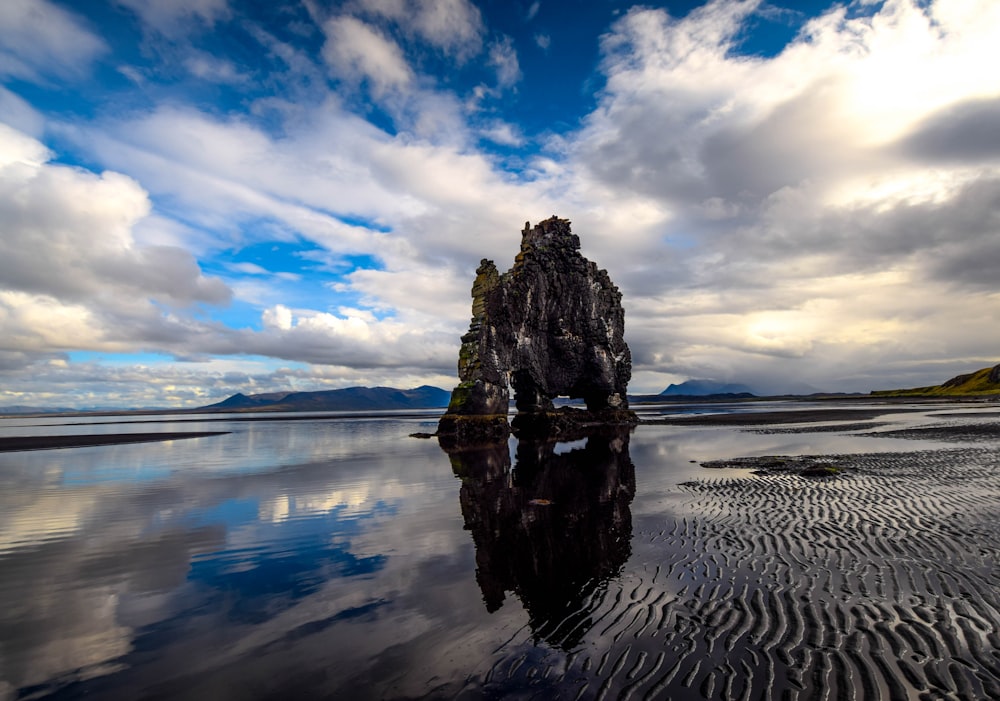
(551, 530)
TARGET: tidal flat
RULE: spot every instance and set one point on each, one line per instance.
(334, 556)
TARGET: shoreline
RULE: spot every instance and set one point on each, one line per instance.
(766, 418)
(12, 444)
(851, 420)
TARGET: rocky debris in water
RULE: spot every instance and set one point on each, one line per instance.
(468, 431)
(567, 424)
(551, 326)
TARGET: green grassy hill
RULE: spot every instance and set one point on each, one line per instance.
(981, 382)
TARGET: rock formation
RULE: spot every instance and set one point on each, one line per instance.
(551, 326)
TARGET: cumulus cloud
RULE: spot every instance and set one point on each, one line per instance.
(863, 154)
(351, 340)
(39, 39)
(67, 234)
(966, 132)
(329, 167)
(73, 276)
(825, 215)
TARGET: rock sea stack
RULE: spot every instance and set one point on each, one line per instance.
(551, 326)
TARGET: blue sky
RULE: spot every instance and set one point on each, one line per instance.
(199, 197)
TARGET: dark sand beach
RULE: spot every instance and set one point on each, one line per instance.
(874, 577)
(12, 443)
(768, 418)
(878, 579)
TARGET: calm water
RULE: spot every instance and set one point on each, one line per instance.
(339, 558)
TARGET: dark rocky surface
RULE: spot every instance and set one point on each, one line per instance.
(552, 325)
(568, 424)
(803, 466)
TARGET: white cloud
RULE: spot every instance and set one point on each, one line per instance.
(173, 18)
(81, 293)
(67, 234)
(20, 115)
(214, 69)
(357, 51)
(39, 39)
(863, 152)
(826, 215)
(452, 26)
(217, 172)
(503, 133)
(503, 58)
(73, 275)
(221, 172)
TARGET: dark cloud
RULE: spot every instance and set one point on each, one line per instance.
(637, 151)
(963, 133)
(13, 360)
(954, 239)
(795, 142)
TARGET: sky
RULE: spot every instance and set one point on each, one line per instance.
(203, 197)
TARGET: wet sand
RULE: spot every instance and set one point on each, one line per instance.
(958, 433)
(876, 579)
(767, 418)
(14, 443)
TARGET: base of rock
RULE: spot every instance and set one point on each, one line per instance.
(566, 423)
(462, 430)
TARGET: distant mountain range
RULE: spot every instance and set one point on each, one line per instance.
(704, 388)
(25, 409)
(978, 383)
(981, 382)
(12, 409)
(349, 399)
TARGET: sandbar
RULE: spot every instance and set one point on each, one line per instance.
(14, 443)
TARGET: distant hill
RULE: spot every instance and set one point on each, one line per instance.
(12, 409)
(349, 399)
(703, 388)
(23, 409)
(980, 382)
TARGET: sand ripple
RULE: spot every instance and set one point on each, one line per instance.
(879, 583)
